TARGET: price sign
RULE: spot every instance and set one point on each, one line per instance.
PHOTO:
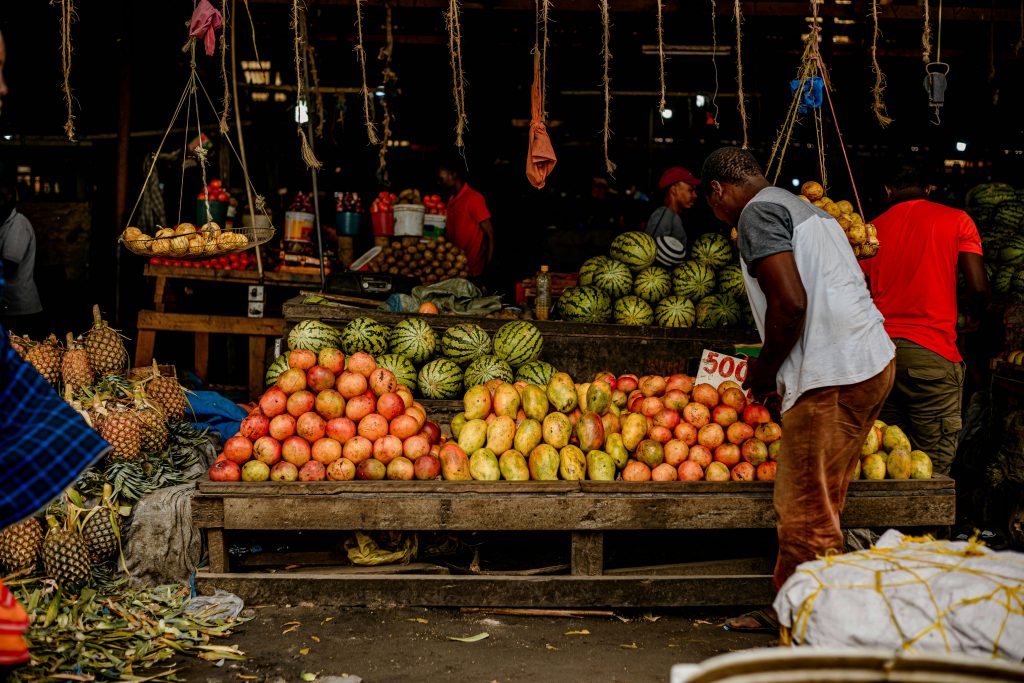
(716, 368)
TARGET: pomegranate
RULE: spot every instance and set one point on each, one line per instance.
(225, 470)
(728, 454)
(607, 377)
(359, 407)
(619, 399)
(650, 453)
(417, 412)
(734, 398)
(755, 414)
(371, 469)
(319, 378)
(427, 467)
(717, 471)
(329, 404)
(676, 452)
(300, 403)
(697, 414)
(326, 450)
(387, 448)
(724, 415)
(667, 418)
(738, 432)
(743, 472)
(728, 384)
(291, 381)
(273, 402)
(312, 471)
(766, 471)
(332, 359)
(404, 426)
(267, 450)
(238, 449)
(255, 425)
(701, 455)
(711, 435)
(390, 404)
(383, 381)
(341, 429)
(301, 359)
(432, 431)
(636, 471)
(401, 469)
(406, 395)
(683, 383)
(373, 427)
(361, 363)
(675, 400)
(310, 427)
(690, 471)
(627, 383)
(651, 406)
(415, 447)
(295, 450)
(282, 426)
(284, 471)
(358, 449)
(652, 385)
(341, 470)
(768, 432)
(685, 432)
(351, 384)
(660, 434)
(754, 451)
(664, 472)
(254, 470)
(706, 394)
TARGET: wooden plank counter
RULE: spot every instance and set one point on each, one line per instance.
(584, 511)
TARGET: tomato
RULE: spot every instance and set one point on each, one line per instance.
(223, 196)
(215, 184)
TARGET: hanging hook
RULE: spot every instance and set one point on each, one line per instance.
(935, 85)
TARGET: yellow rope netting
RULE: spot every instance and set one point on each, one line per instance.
(67, 16)
(371, 132)
(458, 76)
(609, 165)
(879, 89)
(738, 16)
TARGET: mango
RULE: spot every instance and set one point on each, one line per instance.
(557, 430)
(856, 471)
(650, 453)
(590, 431)
(600, 466)
(477, 402)
(506, 401)
(535, 402)
(501, 433)
(473, 436)
(572, 464)
(899, 464)
(599, 397)
(454, 463)
(870, 444)
(544, 462)
(634, 429)
(920, 465)
(483, 465)
(880, 426)
(612, 423)
(562, 392)
(458, 422)
(894, 439)
(614, 447)
(528, 435)
(513, 466)
(581, 395)
(873, 467)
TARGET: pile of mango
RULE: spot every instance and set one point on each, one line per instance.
(887, 454)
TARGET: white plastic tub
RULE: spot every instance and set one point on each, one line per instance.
(409, 219)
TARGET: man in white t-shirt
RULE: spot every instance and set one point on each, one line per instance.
(825, 352)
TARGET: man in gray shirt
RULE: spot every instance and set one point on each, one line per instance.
(20, 305)
(680, 189)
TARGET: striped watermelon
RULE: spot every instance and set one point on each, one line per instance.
(1012, 252)
(986, 196)
(590, 268)
(718, 310)
(279, 365)
(518, 343)
(632, 310)
(584, 304)
(365, 334)
(486, 368)
(652, 284)
(614, 278)
(674, 311)
(401, 367)
(635, 249)
(1009, 215)
(1001, 279)
(712, 249)
(1017, 284)
(730, 281)
(465, 343)
(535, 372)
(313, 335)
(414, 339)
(693, 280)
(441, 380)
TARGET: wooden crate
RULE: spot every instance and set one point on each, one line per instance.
(583, 511)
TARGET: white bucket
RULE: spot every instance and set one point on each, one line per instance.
(409, 219)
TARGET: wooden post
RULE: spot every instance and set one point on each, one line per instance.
(124, 103)
(218, 552)
(257, 365)
(587, 553)
(202, 351)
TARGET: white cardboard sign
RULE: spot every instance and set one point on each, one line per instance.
(716, 368)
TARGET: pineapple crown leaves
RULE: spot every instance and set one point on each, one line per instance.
(98, 323)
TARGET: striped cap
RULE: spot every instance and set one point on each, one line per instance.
(669, 250)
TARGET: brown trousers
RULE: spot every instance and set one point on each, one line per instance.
(822, 436)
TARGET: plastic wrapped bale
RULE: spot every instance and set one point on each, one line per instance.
(162, 545)
(909, 594)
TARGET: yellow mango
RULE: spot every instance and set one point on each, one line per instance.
(572, 464)
(535, 402)
(483, 465)
(528, 435)
(513, 466)
(615, 448)
(873, 467)
(506, 400)
(634, 430)
(477, 402)
(501, 433)
(562, 392)
(557, 430)
(473, 436)
(544, 461)
(920, 465)
(600, 466)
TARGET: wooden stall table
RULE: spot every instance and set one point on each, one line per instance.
(258, 330)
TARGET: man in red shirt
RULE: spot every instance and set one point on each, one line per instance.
(468, 224)
(913, 281)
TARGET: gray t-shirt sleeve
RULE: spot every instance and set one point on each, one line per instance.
(764, 229)
(16, 241)
(664, 221)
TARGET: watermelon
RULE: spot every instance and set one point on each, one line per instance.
(414, 339)
(712, 249)
(590, 268)
(401, 367)
(635, 249)
(535, 372)
(465, 343)
(279, 365)
(718, 310)
(614, 278)
(486, 368)
(367, 335)
(440, 379)
(584, 304)
(1000, 282)
(313, 335)
(518, 343)
(1009, 215)
(730, 281)
(652, 284)
(693, 280)
(1012, 252)
(674, 311)
(632, 310)
(982, 200)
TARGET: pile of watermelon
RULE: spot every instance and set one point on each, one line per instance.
(998, 211)
(627, 288)
(432, 365)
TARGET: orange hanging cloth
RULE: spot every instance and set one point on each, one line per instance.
(540, 156)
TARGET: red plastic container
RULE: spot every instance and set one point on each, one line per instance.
(383, 223)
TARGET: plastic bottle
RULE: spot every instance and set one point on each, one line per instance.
(543, 303)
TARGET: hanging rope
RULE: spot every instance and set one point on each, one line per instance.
(661, 61)
(371, 132)
(298, 24)
(318, 96)
(252, 27)
(390, 79)
(926, 36)
(879, 90)
(738, 16)
(544, 60)
(224, 69)
(814, 43)
(714, 59)
(67, 16)
(1020, 41)
(609, 165)
(808, 68)
(458, 77)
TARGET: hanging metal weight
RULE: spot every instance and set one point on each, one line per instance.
(935, 85)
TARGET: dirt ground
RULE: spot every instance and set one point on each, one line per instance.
(413, 645)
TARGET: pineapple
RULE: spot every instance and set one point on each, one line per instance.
(167, 394)
(106, 351)
(19, 344)
(152, 422)
(65, 557)
(19, 545)
(46, 358)
(122, 430)
(74, 367)
(99, 533)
